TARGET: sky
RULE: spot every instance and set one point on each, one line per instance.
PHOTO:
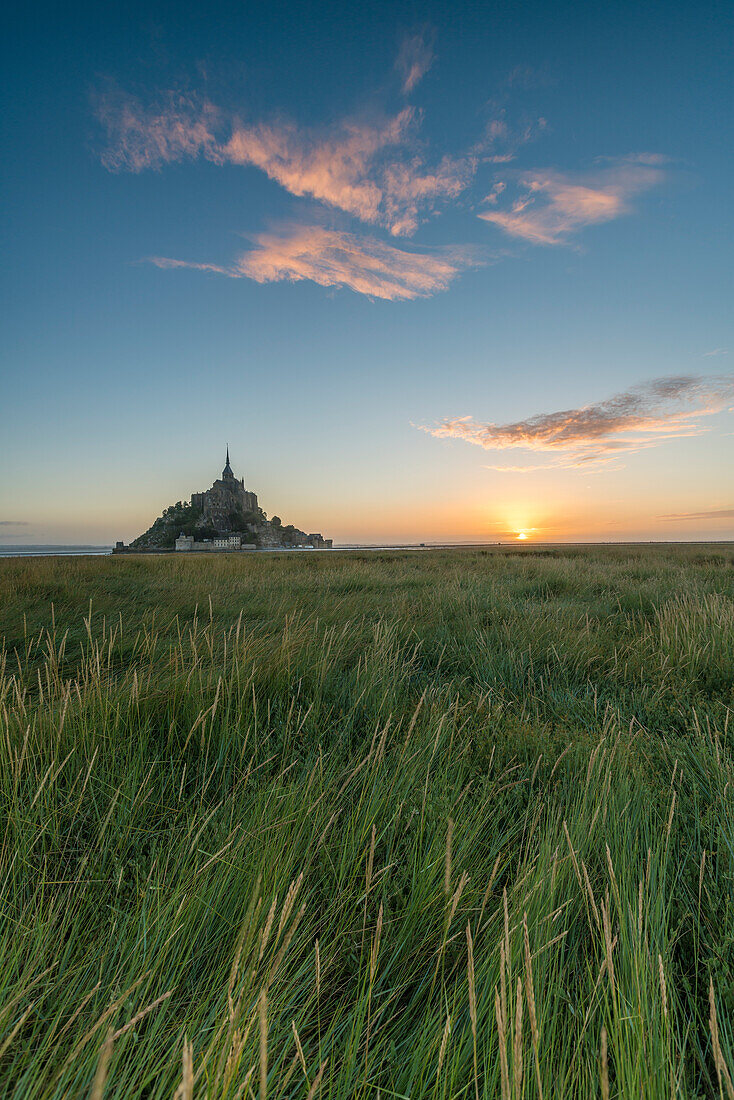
(434, 272)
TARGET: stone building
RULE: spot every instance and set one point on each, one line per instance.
(226, 502)
(224, 518)
(230, 542)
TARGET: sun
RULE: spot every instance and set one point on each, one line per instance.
(522, 535)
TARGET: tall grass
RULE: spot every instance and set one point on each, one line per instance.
(454, 824)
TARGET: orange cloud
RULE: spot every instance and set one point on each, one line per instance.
(552, 205)
(181, 128)
(414, 60)
(407, 189)
(342, 169)
(363, 169)
(333, 258)
(639, 418)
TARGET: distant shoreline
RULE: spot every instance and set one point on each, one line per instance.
(53, 551)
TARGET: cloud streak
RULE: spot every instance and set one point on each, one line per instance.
(180, 128)
(364, 169)
(716, 513)
(333, 258)
(552, 206)
(594, 435)
(414, 60)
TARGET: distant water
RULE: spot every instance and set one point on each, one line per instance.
(76, 551)
(50, 551)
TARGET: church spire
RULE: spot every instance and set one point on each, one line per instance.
(227, 471)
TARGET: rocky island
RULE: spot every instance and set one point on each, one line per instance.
(225, 517)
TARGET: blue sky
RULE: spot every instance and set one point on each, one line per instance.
(432, 271)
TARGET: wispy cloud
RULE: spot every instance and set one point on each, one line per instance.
(14, 523)
(552, 206)
(179, 128)
(409, 190)
(374, 168)
(338, 169)
(414, 59)
(716, 513)
(639, 418)
(348, 169)
(368, 170)
(716, 351)
(333, 258)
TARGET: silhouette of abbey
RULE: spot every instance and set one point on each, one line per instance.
(225, 517)
(226, 500)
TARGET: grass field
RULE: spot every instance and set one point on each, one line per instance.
(430, 824)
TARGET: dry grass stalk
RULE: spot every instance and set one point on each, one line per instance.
(603, 1065)
(317, 1080)
(299, 1048)
(139, 1015)
(370, 862)
(663, 987)
(187, 1075)
(567, 749)
(573, 855)
(722, 1070)
(447, 865)
(488, 890)
(286, 943)
(472, 1004)
(502, 1040)
(517, 1065)
(457, 896)
(113, 1008)
(554, 870)
(379, 755)
(503, 980)
(375, 946)
(329, 823)
(608, 944)
(238, 1044)
(670, 817)
(590, 768)
(444, 1042)
(237, 958)
(590, 892)
(289, 902)
(185, 1090)
(262, 1007)
(103, 1065)
(506, 914)
(283, 1085)
(9, 1038)
(613, 880)
(374, 951)
(535, 769)
(530, 995)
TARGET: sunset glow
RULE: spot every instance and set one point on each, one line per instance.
(312, 311)
(424, 289)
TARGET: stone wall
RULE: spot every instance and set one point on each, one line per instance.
(221, 501)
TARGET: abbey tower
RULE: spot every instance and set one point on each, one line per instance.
(226, 502)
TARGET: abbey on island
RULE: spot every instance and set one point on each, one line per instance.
(225, 517)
